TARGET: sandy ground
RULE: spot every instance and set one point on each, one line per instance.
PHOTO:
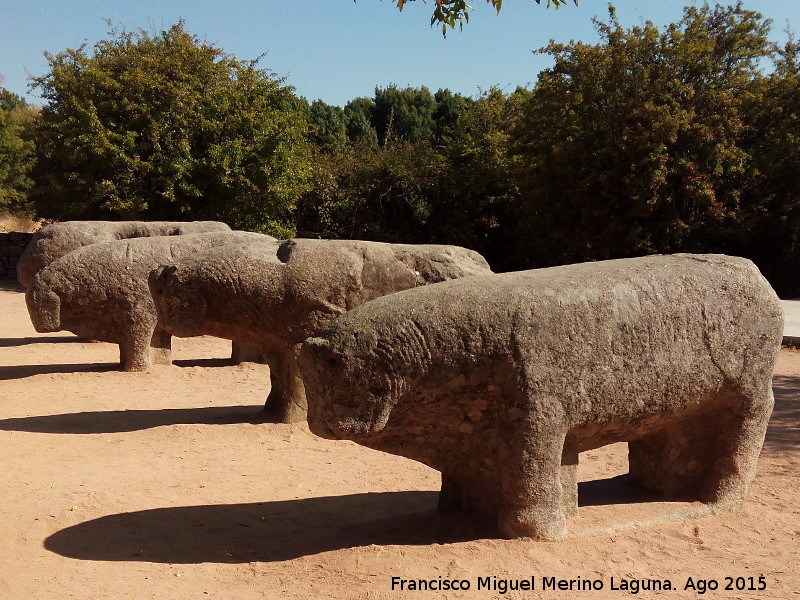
(168, 485)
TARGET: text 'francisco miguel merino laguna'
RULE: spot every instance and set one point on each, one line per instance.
(580, 584)
(500, 585)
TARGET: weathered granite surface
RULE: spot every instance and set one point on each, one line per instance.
(57, 239)
(100, 292)
(434, 263)
(273, 298)
(499, 382)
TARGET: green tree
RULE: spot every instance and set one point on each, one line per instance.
(633, 145)
(165, 126)
(17, 120)
(328, 126)
(381, 193)
(477, 192)
(403, 114)
(770, 221)
(449, 109)
(359, 114)
(442, 178)
(410, 114)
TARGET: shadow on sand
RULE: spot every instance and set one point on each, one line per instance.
(203, 362)
(783, 433)
(24, 341)
(118, 421)
(11, 285)
(21, 371)
(268, 531)
(288, 529)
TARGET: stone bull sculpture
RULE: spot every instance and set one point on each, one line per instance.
(57, 239)
(499, 382)
(100, 292)
(273, 300)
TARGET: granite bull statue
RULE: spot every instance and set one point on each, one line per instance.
(500, 382)
(57, 239)
(100, 292)
(273, 299)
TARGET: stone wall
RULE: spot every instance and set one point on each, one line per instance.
(11, 247)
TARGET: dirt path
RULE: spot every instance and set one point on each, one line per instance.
(166, 485)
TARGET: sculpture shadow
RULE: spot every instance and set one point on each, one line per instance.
(119, 421)
(287, 529)
(11, 285)
(24, 341)
(203, 362)
(268, 531)
(617, 490)
(783, 433)
(22, 371)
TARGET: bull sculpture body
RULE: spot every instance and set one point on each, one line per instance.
(100, 292)
(57, 239)
(500, 382)
(273, 298)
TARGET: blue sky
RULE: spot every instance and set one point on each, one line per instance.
(337, 50)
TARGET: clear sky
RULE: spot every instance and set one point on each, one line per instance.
(337, 50)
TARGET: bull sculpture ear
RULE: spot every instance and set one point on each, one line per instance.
(318, 350)
(162, 273)
(158, 277)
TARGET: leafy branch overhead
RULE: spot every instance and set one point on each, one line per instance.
(449, 13)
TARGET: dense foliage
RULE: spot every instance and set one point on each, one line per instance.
(655, 120)
(683, 138)
(653, 140)
(661, 141)
(165, 126)
(17, 120)
(769, 228)
(417, 167)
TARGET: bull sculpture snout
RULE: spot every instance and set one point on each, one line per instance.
(334, 416)
(44, 307)
(179, 312)
(314, 352)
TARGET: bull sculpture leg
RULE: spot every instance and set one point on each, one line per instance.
(134, 350)
(287, 395)
(537, 479)
(143, 346)
(735, 465)
(569, 481)
(709, 457)
(161, 347)
(246, 352)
